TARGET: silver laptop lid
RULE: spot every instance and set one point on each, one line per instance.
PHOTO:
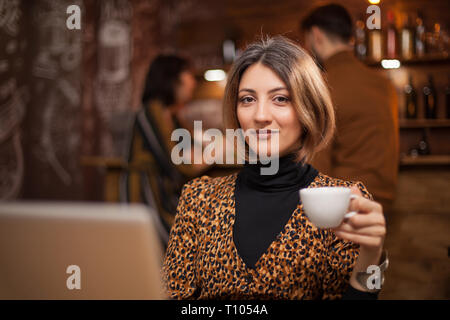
(78, 251)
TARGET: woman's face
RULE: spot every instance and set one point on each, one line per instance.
(265, 103)
(185, 88)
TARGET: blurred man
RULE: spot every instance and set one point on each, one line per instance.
(365, 145)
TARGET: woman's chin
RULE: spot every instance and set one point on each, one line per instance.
(264, 153)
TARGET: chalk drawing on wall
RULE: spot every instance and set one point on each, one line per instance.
(11, 155)
(12, 109)
(58, 86)
(173, 12)
(55, 137)
(113, 83)
(13, 99)
(11, 167)
(9, 16)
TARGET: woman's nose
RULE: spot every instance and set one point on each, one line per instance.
(263, 113)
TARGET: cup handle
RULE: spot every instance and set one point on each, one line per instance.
(351, 213)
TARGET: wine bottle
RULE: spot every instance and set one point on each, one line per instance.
(391, 37)
(229, 51)
(429, 99)
(407, 38)
(438, 41)
(424, 146)
(410, 100)
(360, 40)
(447, 98)
(419, 37)
(375, 45)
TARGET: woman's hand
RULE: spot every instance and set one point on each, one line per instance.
(368, 229)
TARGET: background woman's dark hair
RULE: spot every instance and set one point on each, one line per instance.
(333, 19)
(162, 78)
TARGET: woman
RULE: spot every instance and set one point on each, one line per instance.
(246, 235)
(169, 86)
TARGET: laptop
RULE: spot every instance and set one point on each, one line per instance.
(66, 250)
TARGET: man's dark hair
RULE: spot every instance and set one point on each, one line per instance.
(333, 19)
(162, 78)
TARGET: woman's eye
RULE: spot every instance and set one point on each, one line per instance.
(281, 99)
(246, 99)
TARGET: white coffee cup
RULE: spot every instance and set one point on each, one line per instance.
(327, 207)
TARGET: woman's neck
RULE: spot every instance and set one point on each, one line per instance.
(291, 175)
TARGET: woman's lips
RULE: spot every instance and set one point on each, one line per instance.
(265, 133)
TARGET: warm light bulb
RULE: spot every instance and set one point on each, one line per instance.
(390, 63)
(374, 1)
(215, 75)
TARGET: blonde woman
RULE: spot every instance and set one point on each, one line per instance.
(245, 236)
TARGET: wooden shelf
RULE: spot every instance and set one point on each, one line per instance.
(425, 160)
(435, 59)
(424, 123)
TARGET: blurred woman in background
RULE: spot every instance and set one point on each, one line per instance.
(169, 86)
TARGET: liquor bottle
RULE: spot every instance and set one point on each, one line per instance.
(229, 51)
(429, 99)
(419, 44)
(360, 40)
(391, 37)
(410, 100)
(375, 45)
(424, 146)
(407, 38)
(447, 98)
(438, 41)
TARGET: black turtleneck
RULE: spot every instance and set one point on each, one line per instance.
(264, 204)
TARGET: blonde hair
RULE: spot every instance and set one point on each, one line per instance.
(309, 92)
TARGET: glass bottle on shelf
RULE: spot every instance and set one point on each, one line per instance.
(229, 51)
(424, 147)
(407, 38)
(391, 37)
(445, 37)
(360, 40)
(410, 100)
(447, 98)
(429, 99)
(437, 39)
(375, 45)
(435, 42)
(419, 37)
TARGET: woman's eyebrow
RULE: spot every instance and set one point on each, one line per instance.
(270, 91)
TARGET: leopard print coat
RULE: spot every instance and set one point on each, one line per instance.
(201, 261)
